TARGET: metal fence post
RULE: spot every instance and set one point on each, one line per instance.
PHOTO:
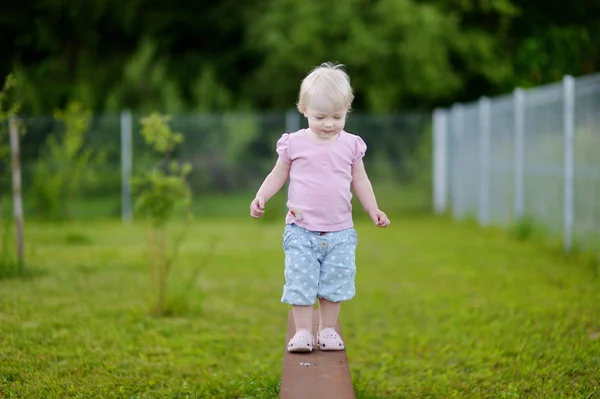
(569, 133)
(519, 148)
(126, 163)
(440, 184)
(484, 159)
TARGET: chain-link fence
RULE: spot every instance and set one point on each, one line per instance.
(529, 157)
(231, 153)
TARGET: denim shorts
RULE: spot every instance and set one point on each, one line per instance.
(318, 264)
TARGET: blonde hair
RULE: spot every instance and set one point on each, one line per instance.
(328, 78)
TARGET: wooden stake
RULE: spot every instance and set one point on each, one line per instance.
(16, 186)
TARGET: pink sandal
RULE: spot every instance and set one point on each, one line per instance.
(302, 341)
(329, 340)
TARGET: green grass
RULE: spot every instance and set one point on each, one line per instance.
(442, 310)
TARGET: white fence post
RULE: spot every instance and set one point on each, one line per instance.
(519, 148)
(440, 165)
(126, 163)
(484, 161)
(569, 177)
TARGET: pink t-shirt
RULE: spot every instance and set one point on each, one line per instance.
(320, 176)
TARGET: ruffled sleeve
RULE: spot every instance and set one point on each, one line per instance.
(283, 145)
(360, 148)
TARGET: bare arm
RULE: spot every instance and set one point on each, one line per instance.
(272, 184)
(363, 188)
(275, 180)
(364, 191)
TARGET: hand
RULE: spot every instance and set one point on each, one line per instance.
(257, 207)
(380, 218)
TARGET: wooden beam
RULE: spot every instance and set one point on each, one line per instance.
(317, 374)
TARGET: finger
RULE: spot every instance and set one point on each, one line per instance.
(383, 220)
(256, 205)
(256, 215)
(257, 211)
(254, 210)
(261, 203)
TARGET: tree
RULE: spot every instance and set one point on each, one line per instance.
(161, 191)
(400, 53)
(10, 265)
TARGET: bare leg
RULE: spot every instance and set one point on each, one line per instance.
(303, 316)
(328, 313)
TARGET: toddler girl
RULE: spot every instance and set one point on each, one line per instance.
(319, 240)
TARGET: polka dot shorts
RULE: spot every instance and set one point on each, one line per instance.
(318, 265)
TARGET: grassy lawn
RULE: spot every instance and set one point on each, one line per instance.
(442, 311)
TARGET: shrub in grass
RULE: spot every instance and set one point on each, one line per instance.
(162, 193)
(66, 166)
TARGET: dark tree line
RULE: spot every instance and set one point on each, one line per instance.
(180, 56)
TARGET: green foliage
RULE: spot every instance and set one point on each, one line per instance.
(146, 83)
(402, 53)
(9, 264)
(527, 228)
(209, 94)
(8, 108)
(390, 62)
(554, 41)
(160, 193)
(66, 166)
(163, 188)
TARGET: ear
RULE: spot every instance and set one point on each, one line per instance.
(303, 111)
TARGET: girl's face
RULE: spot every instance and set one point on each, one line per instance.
(324, 118)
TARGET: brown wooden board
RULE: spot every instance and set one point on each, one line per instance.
(317, 374)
